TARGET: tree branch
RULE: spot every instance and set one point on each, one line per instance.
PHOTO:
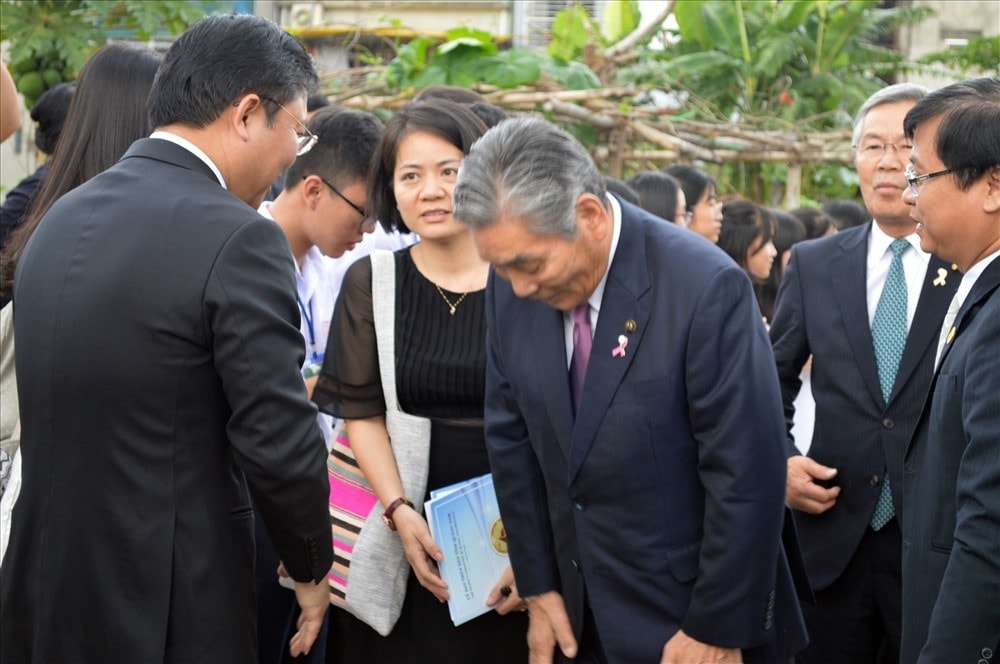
(630, 40)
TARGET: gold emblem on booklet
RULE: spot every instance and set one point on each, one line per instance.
(498, 537)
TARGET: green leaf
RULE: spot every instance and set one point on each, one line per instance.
(431, 76)
(620, 18)
(467, 42)
(466, 32)
(410, 60)
(512, 68)
(705, 62)
(692, 23)
(572, 75)
(570, 33)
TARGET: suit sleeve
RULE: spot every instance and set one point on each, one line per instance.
(735, 411)
(789, 342)
(251, 313)
(966, 617)
(516, 474)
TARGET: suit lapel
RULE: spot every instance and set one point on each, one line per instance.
(628, 281)
(548, 346)
(935, 297)
(983, 289)
(848, 282)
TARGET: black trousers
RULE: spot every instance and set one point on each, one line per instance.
(858, 619)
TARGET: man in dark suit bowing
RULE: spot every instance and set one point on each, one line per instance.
(866, 304)
(158, 352)
(633, 418)
(951, 499)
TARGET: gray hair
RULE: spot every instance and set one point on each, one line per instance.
(887, 95)
(529, 169)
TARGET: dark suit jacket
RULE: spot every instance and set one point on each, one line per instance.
(822, 310)
(663, 502)
(951, 524)
(157, 362)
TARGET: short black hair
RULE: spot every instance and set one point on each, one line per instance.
(623, 190)
(657, 193)
(451, 93)
(847, 214)
(968, 138)
(788, 231)
(221, 58)
(49, 112)
(447, 120)
(345, 149)
(816, 223)
(693, 181)
(742, 223)
(315, 102)
(490, 115)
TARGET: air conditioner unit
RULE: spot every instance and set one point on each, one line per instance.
(305, 15)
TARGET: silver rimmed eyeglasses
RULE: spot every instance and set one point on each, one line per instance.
(307, 140)
(367, 223)
(875, 150)
(914, 180)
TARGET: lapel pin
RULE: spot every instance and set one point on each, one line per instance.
(619, 351)
(942, 277)
(954, 267)
(630, 325)
(951, 336)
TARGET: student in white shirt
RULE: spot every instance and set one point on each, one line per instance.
(322, 211)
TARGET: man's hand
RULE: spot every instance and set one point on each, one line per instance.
(802, 492)
(682, 649)
(548, 624)
(313, 599)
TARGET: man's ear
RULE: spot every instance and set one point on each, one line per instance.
(592, 217)
(240, 114)
(311, 188)
(992, 202)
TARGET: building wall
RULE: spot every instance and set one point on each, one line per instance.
(955, 21)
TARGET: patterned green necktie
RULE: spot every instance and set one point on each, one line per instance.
(889, 337)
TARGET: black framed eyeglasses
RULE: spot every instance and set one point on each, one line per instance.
(306, 141)
(367, 223)
(913, 179)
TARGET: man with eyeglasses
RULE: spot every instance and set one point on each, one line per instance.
(951, 499)
(158, 351)
(321, 210)
(866, 304)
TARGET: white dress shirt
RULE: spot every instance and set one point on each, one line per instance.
(316, 301)
(915, 262)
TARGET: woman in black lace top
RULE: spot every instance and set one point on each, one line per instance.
(440, 367)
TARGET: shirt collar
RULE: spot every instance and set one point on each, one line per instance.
(879, 241)
(969, 278)
(193, 149)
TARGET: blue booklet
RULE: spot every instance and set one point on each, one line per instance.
(465, 522)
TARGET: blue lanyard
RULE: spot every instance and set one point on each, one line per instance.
(307, 315)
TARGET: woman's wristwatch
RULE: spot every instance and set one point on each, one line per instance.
(391, 509)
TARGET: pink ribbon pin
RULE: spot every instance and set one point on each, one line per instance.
(619, 351)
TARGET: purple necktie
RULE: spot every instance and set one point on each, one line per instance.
(582, 342)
